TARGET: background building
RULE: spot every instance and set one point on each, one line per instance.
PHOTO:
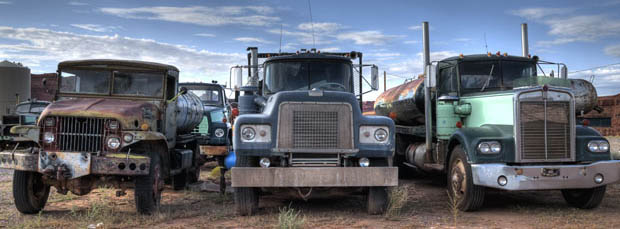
(608, 121)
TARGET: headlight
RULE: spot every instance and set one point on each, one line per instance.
(374, 134)
(128, 137)
(490, 147)
(50, 122)
(219, 132)
(254, 133)
(248, 133)
(381, 134)
(598, 146)
(114, 143)
(113, 124)
(48, 137)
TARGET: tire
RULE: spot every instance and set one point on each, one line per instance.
(180, 181)
(461, 189)
(193, 175)
(246, 199)
(584, 198)
(149, 187)
(377, 200)
(29, 192)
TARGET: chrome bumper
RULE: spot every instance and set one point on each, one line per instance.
(314, 177)
(75, 164)
(546, 177)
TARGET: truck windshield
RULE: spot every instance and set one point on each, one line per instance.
(307, 75)
(480, 76)
(85, 81)
(138, 84)
(208, 96)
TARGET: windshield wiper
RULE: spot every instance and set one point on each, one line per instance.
(488, 79)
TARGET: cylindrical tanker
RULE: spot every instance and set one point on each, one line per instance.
(190, 112)
(403, 103)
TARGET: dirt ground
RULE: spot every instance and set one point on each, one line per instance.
(425, 204)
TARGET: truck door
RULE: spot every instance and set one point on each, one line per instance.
(447, 99)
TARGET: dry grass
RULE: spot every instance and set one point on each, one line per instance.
(397, 199)
(289, 218)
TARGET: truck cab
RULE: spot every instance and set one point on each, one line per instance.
(301, 129)
(113, 122)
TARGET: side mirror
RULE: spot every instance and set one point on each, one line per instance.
(564, 72)
(374, 76)
(238, 81)
(183, 91)
(430, 78)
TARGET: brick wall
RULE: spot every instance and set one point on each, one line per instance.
(43, 92)
(610, 104)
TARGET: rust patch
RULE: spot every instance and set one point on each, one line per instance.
(19, 160)
(120, 166)
(214, 150)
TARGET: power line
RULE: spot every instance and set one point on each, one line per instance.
(588, 69)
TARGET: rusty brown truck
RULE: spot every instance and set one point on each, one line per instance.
(113, 122)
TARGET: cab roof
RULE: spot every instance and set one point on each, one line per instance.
(121, 64)
(309, 56)
(482, 57)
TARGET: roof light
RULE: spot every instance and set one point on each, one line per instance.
(461, 55)
(489, 54)
(499, 53)
(505, 54)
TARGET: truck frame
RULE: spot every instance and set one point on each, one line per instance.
(301, 129)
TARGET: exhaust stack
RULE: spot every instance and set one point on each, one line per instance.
(427, 89)
(524, 40)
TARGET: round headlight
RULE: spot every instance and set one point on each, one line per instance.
(248, 133)
(48, 137)
(603, 146)
(593, 146)
(364, 162)
(114, 143)
(495, 147)
(502, 181)
(113, 125)
(219, 132)
(381, 134)
(128, 137)
(484, 148)
(265, 162)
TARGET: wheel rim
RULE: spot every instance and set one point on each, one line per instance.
(457, 180)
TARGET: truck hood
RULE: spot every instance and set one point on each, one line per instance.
(127, 112)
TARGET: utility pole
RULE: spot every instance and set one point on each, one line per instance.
(384, 80)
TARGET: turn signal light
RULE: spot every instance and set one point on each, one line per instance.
(459, 124)
(235, 112)
(585, 122)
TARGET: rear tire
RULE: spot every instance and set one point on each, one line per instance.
(377, 200)
(584, 198)
(149, 187)
(461, 189)
(29, 191)
(246, 199)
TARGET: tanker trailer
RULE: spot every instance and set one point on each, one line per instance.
(495, 121)
(113, 122)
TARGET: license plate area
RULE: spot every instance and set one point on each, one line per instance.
(550, 172)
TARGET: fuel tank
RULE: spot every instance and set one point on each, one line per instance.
(586, 98)
(190, 112)
(404, 103)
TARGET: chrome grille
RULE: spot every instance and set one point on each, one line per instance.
(545, 130)
(80, 134)
(315, 127)
(314, 160)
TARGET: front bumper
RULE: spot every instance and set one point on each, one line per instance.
(75, 164)
(214, 150)
(314, 177)
(546, 176)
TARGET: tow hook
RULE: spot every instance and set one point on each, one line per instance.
(63, 172)
(304, 196)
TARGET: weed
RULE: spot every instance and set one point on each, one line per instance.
(396, 201)
(290, 218)
(454, 209)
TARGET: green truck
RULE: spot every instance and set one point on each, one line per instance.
(498, 121)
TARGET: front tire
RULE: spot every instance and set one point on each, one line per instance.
(246, 199)
(463, 194)
(149, 187)
(29, 191)
(584, 198)
(377, 200)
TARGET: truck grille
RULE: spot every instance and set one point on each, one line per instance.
(545, 130)
(80, 134)
(315, 126)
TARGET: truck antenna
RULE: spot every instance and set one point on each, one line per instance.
(280, 50)
(485, 42)
(311, 24)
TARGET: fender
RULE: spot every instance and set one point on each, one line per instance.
(469, 138)
(583, 135)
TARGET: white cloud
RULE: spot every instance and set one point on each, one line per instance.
(200, 15)
(613, 50)
(606, 79)
(78, 3)
(96, 28)
(204, 34)
(304, 37)
(5, 3)
(462, 39)
(411, 42)
(371, 37)
(414, 66)
(415, 27)
(320, 27)
(538, 13)
(252, 40)
(329, 49)
(38, 46)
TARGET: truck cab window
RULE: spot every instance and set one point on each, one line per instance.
(307, 75)
(138, 84)
(517, 73)
(448, 84)
(85, 81)
(171, 87)
(480, 76)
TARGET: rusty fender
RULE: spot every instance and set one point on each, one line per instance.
(314, 177)
(75, 164)
(214, 150)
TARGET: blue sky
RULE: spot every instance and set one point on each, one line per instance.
(205, 38)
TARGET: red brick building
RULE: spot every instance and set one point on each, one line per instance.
(608, 121)
(40, 91)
